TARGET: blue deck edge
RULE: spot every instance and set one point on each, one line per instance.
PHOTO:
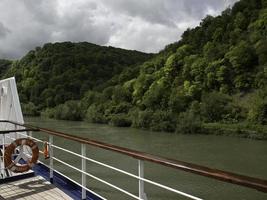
(64, 184)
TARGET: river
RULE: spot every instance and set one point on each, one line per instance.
(238, 155)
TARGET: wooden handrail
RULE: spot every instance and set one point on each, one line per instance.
(237, 179)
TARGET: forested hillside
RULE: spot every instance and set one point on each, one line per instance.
(56, 73)
(217, 73)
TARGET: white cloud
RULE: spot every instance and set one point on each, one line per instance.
(140, 35)
(146, 25)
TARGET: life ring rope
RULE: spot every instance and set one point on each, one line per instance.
(14, 165)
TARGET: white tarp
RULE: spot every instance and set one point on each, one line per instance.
(9, 105)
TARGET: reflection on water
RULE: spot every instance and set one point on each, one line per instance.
(244, 156)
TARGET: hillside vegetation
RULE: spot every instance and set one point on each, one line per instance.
(216, 74)
(4, 66)
(56, 73)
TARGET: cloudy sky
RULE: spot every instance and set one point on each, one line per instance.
(145, 25)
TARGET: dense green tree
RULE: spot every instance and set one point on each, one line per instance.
(4, 65)
(242, 57)
(215, 106)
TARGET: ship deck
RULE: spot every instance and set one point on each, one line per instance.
(33, 188)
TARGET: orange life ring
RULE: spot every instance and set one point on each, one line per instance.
(11, 164)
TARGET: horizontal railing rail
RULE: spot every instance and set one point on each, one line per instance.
(17, 130)
(221, 175)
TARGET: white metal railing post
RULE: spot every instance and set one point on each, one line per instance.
(142, 194)
(30, 134)
(83, 152)
(16, 134)
(51, 163)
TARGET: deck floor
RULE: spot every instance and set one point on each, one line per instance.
(34, 188)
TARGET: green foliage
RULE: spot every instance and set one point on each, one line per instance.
(258, 113)
(188, 123)
(242, 57)
(261, 50)
(120, 120)
(141, 85)
(89, 98)
(95, 114)
(4, 66)
(258, 109)
(240, 21)
(245, 130)
(178, 101)
(158, 120)
(70, 110)
(215, 106)
(223, 108)
(163, 121)
(121, 94)
(141, 119)
(48, 113)
(29, 109)
(157, 95)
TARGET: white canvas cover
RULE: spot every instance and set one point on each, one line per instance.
(9, 106)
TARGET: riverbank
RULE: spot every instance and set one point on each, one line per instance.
(242, 130)
(257, 132)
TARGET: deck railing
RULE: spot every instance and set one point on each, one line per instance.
(237, 179)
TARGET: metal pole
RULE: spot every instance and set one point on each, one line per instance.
(16, 134)
(51, 163)
(142, 194)
(30, 133)
(83, 152)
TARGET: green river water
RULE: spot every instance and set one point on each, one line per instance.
(238, 155)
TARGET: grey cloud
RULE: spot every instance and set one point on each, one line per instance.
(3, 30)
(146, 25)
(44, 11)
(80, 24)
(155, 11)
(166, 12)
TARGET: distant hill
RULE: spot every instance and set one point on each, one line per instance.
(217, 73)
(58, 72)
